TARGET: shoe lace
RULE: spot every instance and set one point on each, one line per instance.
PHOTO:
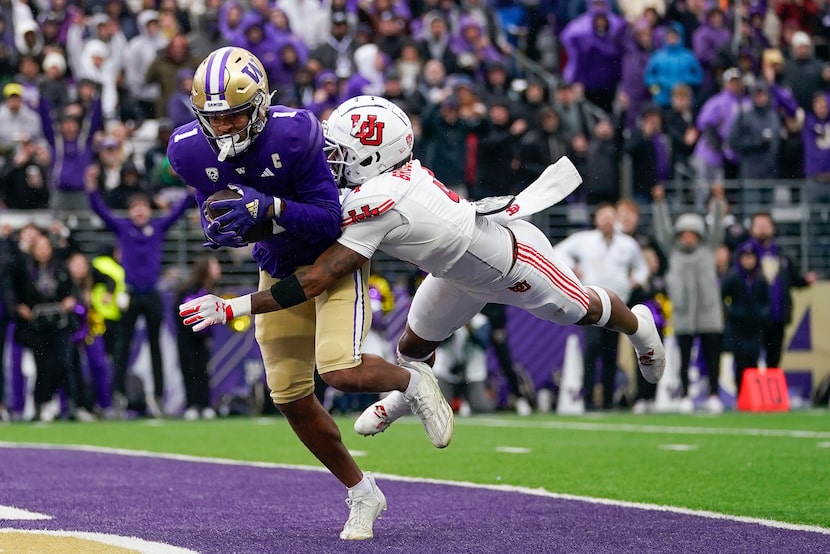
(421, 407)
(358, 507)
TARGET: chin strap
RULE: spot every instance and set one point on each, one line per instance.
(225, 150)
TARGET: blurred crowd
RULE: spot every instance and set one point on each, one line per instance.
(497, 90)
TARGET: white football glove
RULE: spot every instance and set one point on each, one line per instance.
(205, 311)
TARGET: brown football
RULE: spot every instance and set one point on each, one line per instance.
(258, 232)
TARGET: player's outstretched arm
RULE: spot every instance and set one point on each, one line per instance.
(336, 262)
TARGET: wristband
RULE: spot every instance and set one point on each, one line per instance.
(288, 292)
(277, 207)
(238, 307)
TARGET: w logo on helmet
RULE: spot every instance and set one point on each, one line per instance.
(369, 131)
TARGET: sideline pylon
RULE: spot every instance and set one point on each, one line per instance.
(570, 401)
(669, 388)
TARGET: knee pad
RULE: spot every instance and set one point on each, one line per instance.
(605, 300)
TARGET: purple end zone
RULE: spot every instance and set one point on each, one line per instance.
(217, 508)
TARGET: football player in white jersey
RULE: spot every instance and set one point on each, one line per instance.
(399, 207)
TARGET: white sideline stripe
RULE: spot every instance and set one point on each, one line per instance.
(466, 484)
(8, 512)
(130, 543)
(635, 428)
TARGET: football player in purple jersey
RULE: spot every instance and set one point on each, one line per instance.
(273, 157)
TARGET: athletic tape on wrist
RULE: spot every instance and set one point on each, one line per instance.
(238, 307)
(605, 300)
(288, 292)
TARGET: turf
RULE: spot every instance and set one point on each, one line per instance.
(771, 466)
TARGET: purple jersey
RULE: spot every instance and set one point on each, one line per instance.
(287, 161)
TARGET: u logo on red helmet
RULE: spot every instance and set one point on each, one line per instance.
(369, 131)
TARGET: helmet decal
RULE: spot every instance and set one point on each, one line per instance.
(369, 131)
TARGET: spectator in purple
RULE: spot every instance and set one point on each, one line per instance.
(143, 237)
(816, 139)
(326, 94)
(750, 43)
(261, 40)
(230, 19)
(279, 26)
(290, 61)
(671, 65)
(710, 38)
(70, 135)
(638, 46)
(53, 27)
(782, 275)
(472, 47)
(594, 57)
(714, 122)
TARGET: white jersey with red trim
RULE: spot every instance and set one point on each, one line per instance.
(410, 215)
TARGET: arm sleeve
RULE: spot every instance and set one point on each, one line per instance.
(365, 237)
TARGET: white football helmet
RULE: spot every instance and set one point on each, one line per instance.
(228, 81)
(366, 136)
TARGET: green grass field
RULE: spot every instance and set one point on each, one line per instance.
(771, 466)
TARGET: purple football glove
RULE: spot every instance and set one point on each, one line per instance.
(252, 208)
(217, 236)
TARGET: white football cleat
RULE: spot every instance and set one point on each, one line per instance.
(652, 358)
(365, 509)
(429, 404)
(380, 415)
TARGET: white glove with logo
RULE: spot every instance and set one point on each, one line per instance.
(210, 309)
